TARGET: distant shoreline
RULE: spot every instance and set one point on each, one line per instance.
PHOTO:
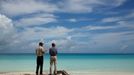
(75, 53)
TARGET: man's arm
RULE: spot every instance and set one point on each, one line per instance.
(43, 50)
(56, 52)
(50, 51)
(36, 51)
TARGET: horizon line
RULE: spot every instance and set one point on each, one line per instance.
(77, 53)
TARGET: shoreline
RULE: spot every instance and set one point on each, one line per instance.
(71, 73)
(72, 53)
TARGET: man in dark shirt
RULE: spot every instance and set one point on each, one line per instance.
(53, 58)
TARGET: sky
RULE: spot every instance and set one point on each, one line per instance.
(76, 26)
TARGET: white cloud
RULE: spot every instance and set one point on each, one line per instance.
(6, 31)
(124, 47)
(75, 6)
(127, 20)
(39, 33)
(118, 18)
(107, 38)
(112, 3)
(29, 38)
(110, 42)
(130, 15)
(91, 27)
(72, 20)
(6, 27)
(64, 44)
(20, 7)
(101, 43)
(75, 20)
(127, 24)
(17, 7)
(80, 6)
(69, 40)
(111, 19)
(38, 19)
(5, 23)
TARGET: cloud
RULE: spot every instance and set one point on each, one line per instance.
(124, 47)
(110, 42)
(118, 18)
(5, 23)
(111, 19)
(72, 20)
(17, 7)
(53, 32)
(80, 6)
(27, 39)
(127, 20)
(6, 27)
(127, 24)
(76, 20)
(39, 33)
(112, 3)
(37, 19)
(91, 27)
(75, 6)
(7, 31)
(64, 44)
(71, 39)
(30, 21)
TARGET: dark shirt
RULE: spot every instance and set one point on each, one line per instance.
(53, 51)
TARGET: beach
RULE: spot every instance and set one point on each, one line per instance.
(103, 73)
(74, 73)
(74, 64)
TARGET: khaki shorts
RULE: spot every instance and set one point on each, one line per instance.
(53, 59)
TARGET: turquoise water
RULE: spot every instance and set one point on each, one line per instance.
(69, 62)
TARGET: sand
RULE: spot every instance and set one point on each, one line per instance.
(73, 73)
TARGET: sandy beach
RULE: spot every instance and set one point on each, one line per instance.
(103, 73)
(72, 73)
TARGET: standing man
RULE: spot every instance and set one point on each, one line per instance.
(39, 53)
(53, 58)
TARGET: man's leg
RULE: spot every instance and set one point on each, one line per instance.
(55, 67)
(37, 67)
(41, 68)
(41, 65)
(51, 63)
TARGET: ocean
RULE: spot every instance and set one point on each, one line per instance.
(69, 62)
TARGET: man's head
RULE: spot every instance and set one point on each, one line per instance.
(40, 44)
(53, 45)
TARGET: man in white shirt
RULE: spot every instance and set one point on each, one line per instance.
(39, 53)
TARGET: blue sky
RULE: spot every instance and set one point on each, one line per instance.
(76, 26)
